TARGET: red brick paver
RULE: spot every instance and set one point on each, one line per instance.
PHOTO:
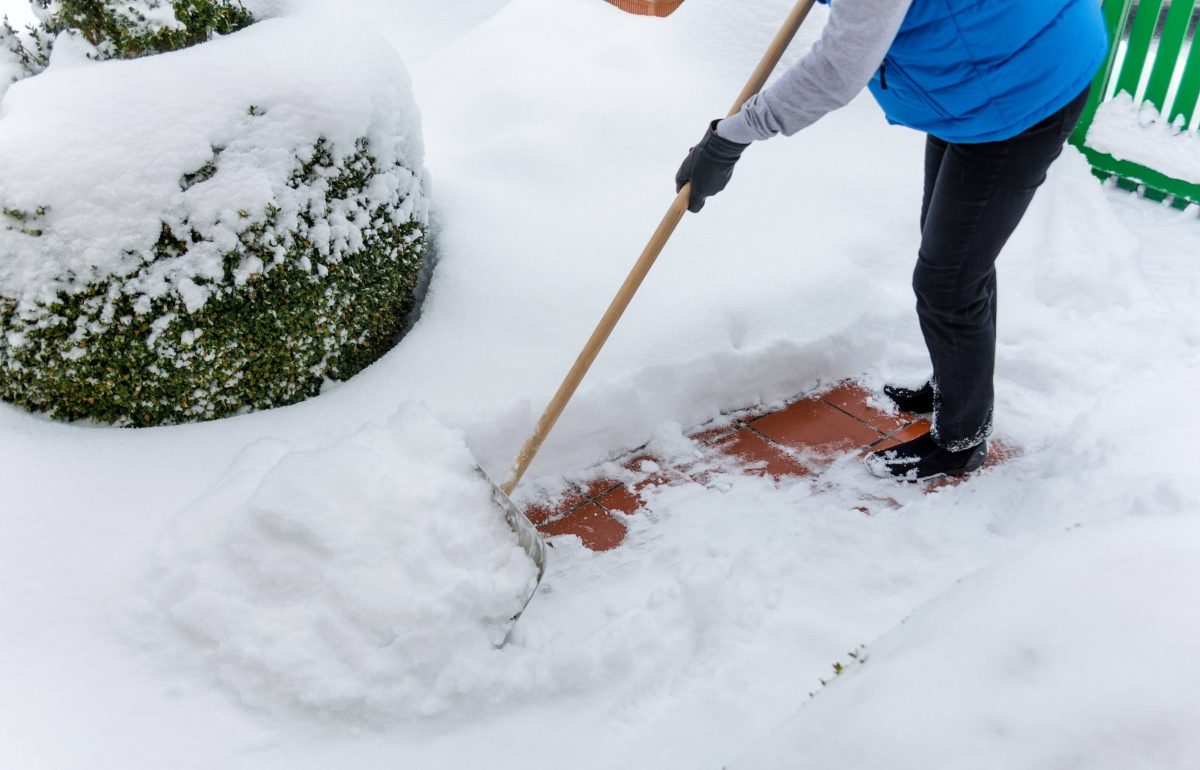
(598, 529)
(760, 456)
(810, 425)
(852, 398)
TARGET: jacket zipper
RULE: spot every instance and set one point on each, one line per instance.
(883, 74)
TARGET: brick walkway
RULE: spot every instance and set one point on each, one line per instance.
(802, 439)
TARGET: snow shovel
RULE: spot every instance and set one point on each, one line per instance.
(527, 533)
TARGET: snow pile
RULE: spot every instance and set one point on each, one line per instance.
(1055, 658)
(357, 580)
(1140, 134)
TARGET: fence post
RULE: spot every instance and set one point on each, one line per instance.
(1116, 14)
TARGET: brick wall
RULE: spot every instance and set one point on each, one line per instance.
(648, 7)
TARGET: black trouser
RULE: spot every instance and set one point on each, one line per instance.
(975, 195)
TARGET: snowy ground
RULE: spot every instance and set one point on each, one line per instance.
(553, 129)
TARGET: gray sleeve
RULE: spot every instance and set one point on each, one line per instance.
(840, 64)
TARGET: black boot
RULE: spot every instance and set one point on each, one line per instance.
(921, 459)
(919, 401)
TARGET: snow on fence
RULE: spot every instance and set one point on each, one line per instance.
(648, 7)
(1140, 124)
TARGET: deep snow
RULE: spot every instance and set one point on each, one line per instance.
(1049, 659)
(361, 581)
(553, 129)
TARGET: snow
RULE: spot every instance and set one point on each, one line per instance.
(1049, 659)
(12, 68)
(19, 12)
(155, 14)
(1138, 133)
(102, 148)
(553, 130)
(356, 581)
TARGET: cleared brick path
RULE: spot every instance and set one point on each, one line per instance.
(802, 439)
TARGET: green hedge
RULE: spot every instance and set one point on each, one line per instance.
(120, 28)
(271, 341)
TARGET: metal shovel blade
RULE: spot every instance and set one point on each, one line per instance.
(529, 538)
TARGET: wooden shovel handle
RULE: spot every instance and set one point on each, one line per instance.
(642, 267)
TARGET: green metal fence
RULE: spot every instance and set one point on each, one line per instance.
(1154, 58)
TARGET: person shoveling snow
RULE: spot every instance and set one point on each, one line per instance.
(998, 91)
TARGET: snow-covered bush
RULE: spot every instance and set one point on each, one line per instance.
(10, 55)
(126, 29)
(194, 234)
(17, 61)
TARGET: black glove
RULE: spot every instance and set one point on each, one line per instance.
(708, 166)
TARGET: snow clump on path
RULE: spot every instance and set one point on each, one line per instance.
(355, 580)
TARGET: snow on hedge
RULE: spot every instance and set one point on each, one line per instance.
(137, 194)
(1059, 657)
(259, 96)
(12, 64)
(127, 29)
(1139, 134)
(365, 580)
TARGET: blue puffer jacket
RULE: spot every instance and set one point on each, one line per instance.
(984, 70)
